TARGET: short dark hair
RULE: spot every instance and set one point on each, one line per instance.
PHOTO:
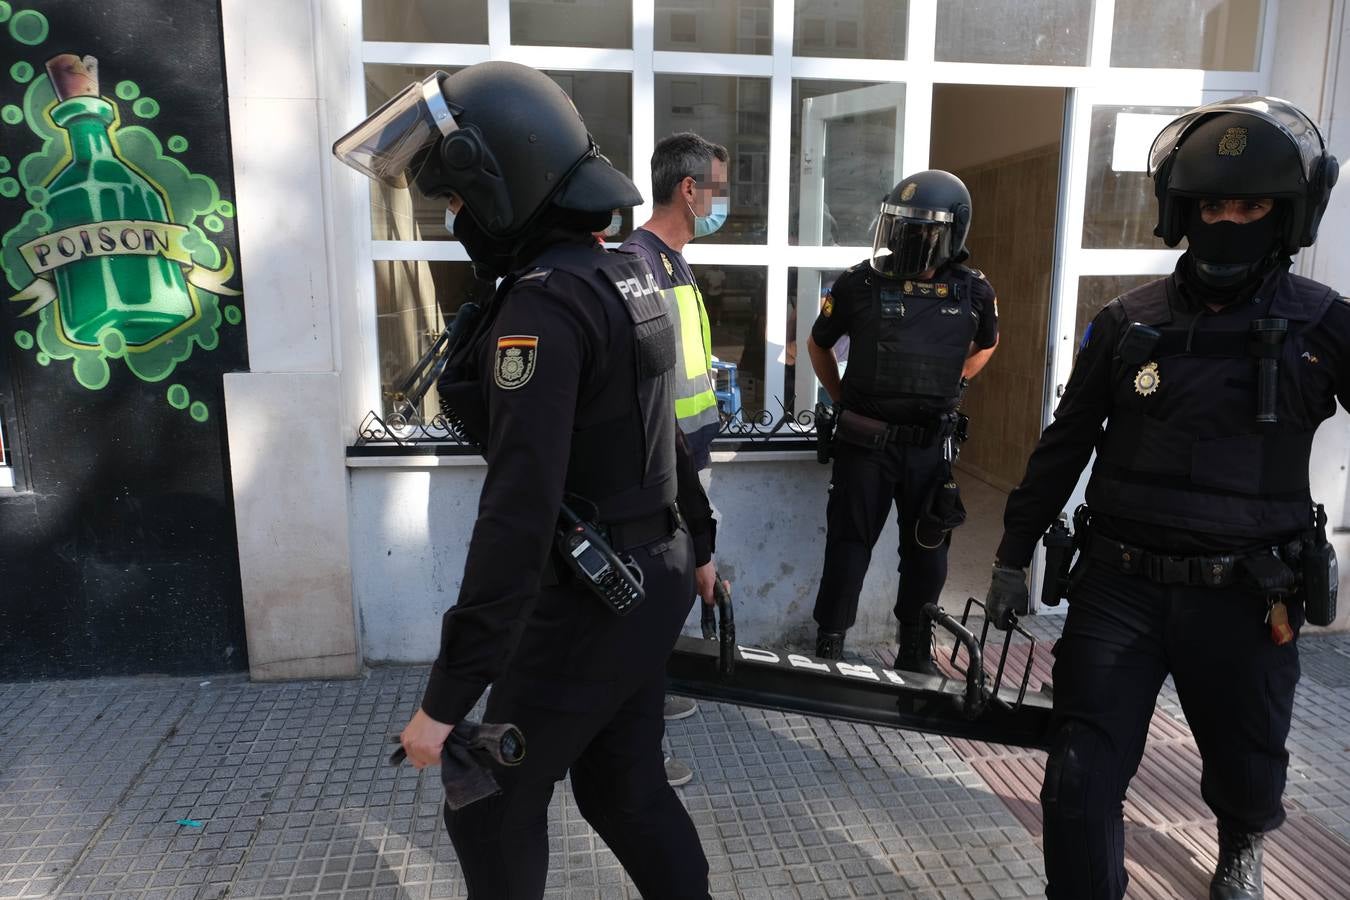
(676, 158)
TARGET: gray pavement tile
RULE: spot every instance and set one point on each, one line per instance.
(289, 784)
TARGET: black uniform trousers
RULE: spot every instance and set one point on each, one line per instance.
(586, 688)
(1123, 635)
(863, 485)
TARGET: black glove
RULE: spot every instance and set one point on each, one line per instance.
(1007, 595)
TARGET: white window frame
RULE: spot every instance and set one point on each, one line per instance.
(1087, 86)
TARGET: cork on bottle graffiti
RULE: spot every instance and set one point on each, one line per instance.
(113, 260)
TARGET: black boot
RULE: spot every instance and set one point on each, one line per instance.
(1238, 874)
(829, 644)
(915, 653)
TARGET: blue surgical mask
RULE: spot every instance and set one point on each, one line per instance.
(450, 220)
(615, 225)
(706, 225)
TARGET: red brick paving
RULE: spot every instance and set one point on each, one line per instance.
(1170, 840)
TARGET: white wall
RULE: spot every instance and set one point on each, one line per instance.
(1312, 70)
(413, 526)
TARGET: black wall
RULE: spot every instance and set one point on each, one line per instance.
(118, 552)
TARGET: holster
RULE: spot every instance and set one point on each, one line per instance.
(862, 431)
(1321, 574)
(825, 421)
(1059, 551)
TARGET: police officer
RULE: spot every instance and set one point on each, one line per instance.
(1211, 383)
(919, 324)
(565, 382)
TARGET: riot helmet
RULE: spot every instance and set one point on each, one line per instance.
(1243, 148)
(923, 223)
(501, 136)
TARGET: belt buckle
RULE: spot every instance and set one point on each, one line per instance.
(1215, 571)
(1131, 559)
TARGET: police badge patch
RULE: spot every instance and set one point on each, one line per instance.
(516, 354)
(1146, 380)
(827, 306)
(670, 269)
(909, 190)
(1233, 142)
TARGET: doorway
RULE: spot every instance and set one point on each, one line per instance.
(1006, 144)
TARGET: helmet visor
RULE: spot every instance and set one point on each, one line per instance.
(393, 140)
(1285, 116)
(910, 240)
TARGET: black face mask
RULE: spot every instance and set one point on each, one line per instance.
(1226, 254)
(492, 258)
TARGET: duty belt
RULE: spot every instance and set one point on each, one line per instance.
(1220, 570)
(632, 533)
(874, 434)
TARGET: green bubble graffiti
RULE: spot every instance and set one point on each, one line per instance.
(29, 27)
(193, 201)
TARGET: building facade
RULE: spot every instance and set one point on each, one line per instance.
(349, 526)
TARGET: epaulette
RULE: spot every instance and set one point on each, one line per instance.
(977, 273)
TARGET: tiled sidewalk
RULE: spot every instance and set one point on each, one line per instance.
(289, 785)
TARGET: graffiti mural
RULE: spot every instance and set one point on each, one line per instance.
(120, 318)
(114, 258)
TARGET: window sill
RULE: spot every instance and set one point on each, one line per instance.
(434, 456)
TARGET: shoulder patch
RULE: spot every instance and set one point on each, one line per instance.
(827, 306)
(540, 275)
(514, 363)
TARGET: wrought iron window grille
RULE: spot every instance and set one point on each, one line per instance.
(402, 429)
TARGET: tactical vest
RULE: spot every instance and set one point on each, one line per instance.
(1182, 447)
(914, 340)
(695, 402)
(622, 454)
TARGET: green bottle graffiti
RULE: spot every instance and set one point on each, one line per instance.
(143, 297)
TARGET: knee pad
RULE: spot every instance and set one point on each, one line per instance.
(1078, 781)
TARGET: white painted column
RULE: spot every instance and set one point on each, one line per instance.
(285, 416)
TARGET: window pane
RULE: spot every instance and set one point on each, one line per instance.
(1121, 211)
(397, 214)
(572, 23)
(414, 299)
(1095, 291)
(806, 289)
(715, 26)
(734, 296)
(432, 21)
(1187, 34)
(852, 133)
(604, 100)
(863, 29)
(1046, 32)
(733, 112)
